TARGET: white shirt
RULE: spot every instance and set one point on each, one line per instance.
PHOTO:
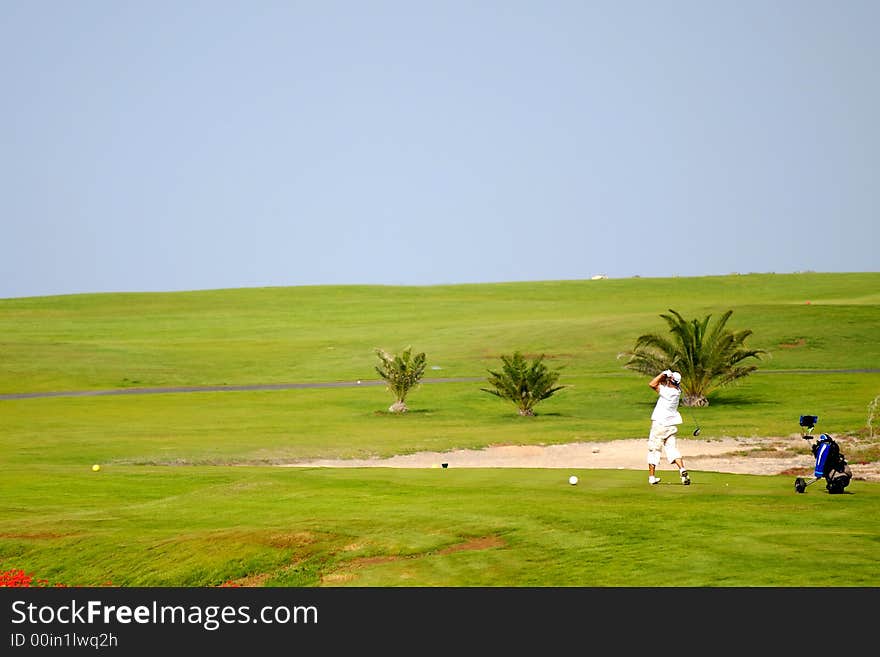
(666, 408)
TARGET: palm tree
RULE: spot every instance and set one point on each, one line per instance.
(402, 373)
(523, 383)
(707, 359)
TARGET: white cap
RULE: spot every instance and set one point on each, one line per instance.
(676, 377)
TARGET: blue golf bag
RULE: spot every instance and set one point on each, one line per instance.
(830, 464)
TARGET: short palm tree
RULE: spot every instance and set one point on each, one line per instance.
(523, 383)
(402, 372)
(708, 359)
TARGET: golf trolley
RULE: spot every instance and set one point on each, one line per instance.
(830, 465)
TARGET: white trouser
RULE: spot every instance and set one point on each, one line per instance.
(662, 437)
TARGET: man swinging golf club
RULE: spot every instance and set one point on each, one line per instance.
(664, 425)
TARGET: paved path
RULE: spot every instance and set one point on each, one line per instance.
(241, 388)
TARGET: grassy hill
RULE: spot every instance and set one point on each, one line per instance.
(816, 321)
(179, 501)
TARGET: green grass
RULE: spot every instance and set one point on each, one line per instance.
(198, 526)
(180, 502)
(280, 426)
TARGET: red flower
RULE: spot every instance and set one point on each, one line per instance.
(15, 577)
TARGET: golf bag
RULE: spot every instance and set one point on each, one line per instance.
(831, 464)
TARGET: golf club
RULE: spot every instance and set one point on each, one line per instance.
(696, 425)
(696, 431)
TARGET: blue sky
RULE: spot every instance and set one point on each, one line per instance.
(156, 145)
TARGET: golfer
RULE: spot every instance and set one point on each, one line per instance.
(664, 425)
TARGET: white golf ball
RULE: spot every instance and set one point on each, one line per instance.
(572, 480)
